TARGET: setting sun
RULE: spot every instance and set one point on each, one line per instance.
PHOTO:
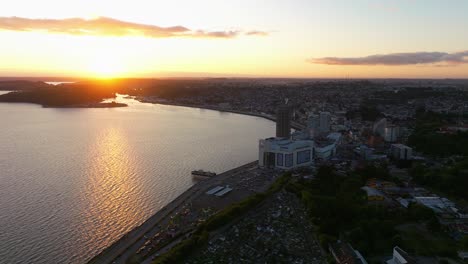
(103, 59)
(106, 67)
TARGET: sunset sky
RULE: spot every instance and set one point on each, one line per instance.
(263, 38)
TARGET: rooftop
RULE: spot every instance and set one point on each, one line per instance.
(344, 253)
(288, 144)
(399, 146)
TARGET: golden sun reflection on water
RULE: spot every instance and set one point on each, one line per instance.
(113, 193)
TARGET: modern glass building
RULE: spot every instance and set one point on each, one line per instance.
(285, 153)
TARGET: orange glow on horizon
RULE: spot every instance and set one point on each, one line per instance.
(106, 68)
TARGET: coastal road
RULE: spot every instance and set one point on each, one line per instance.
(132, 241)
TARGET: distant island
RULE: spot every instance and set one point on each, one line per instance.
(80, 95)
(90, 105)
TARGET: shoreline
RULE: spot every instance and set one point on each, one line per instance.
(119, 247)
(129, 239)
(96, 105)
(294, 125)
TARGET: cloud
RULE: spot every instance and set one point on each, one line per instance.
(215, 34)
(104, 26)
(257, 33)
(398, 59)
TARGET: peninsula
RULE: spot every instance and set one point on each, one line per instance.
(61, 96)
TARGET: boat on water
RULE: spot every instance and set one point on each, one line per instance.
(203, 174)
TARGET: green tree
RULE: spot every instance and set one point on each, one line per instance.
(419, 212)
(433, 224)
(464, 242)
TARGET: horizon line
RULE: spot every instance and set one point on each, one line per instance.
(65, 78)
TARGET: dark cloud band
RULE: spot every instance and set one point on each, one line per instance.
(397, 59)
(104, 26)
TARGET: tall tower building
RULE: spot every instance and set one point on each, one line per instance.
(283, 121)
(325, 122)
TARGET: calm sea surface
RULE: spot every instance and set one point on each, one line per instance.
(72, 181)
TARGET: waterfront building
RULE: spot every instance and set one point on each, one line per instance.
(285, 154)
(401, 152)
(301, 148)
(292, 153)
(283, 121)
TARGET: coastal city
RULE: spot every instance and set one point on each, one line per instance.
(232, 132)
(381, 138)
(358, 171)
